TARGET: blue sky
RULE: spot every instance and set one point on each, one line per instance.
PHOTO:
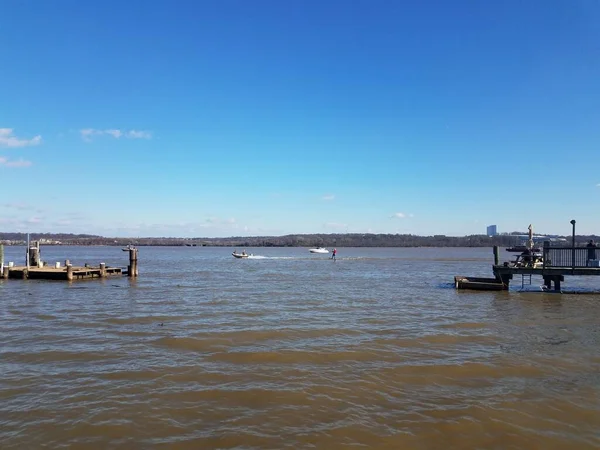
(220, 118)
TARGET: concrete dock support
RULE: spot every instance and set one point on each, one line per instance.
(102, 270)
(505, 278)
(556, 279)
(132, 269)
(69, 272)
(5, 270)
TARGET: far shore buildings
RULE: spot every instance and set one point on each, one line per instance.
(492, 230)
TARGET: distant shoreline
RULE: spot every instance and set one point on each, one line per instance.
(292, 240)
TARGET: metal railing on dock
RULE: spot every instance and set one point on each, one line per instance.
(574, 257)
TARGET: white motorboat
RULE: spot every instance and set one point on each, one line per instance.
(318, 250)
(235, 254)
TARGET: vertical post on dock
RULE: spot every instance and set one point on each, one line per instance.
(1, 258)
(5, 271)
(545, 254)
(573, 247)
(496, 256)
(102, 270)
(27, 252)
(132, 270)
(69, 272)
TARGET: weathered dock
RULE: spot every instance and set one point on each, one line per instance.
(36, 269)
(68, 273)
(554, 264)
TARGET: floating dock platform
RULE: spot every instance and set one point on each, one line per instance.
(68, 273)
(36, 269)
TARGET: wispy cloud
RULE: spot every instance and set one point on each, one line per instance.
(401, 215)
(133, 134)
(8, 139)
(88, 133)
(18, 206)
(5, 162)
(328, 197)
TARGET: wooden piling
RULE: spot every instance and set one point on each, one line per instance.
(132, 269)
(102, 270)
(496, 255)
(5, 270)
(69, 272)
(34, 254)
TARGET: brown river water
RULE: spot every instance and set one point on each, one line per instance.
(292, 350)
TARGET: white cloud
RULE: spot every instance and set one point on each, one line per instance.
(88, 133)
(401, 215)
(5, 162)
(8, 139)
(114, 133)
(329, 197)
(135, 134)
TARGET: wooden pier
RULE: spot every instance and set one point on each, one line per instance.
(36, 269)
(552, 265)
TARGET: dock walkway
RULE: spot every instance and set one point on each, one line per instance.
(68, 273)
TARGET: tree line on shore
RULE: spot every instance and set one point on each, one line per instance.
(291, 240)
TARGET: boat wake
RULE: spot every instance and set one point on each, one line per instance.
(270, 257)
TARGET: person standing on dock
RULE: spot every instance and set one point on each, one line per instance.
(591, 252)
(333, 254)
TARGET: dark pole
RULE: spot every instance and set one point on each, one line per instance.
(573, 245)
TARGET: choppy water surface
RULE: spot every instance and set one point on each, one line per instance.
(292, 350)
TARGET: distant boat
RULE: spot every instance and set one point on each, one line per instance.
(318, 250)
(235, 254)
